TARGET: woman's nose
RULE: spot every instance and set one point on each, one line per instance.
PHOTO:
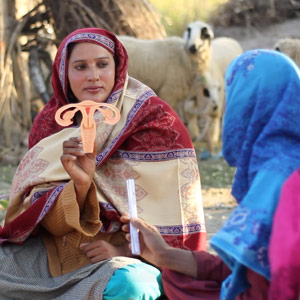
(93, 75)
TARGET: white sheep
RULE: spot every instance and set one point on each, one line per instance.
(197, 37)
(290, 47)
(167, 65)
(209, 103)
(224, 50)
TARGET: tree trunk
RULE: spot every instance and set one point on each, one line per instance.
(7, 11)
(134, 17)
(15, 108)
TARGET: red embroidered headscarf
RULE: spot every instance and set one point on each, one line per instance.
(44, 123)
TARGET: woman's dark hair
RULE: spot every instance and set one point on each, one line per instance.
(70, 95)
(70, 48)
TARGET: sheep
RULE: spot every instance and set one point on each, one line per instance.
(224, 50)
(196, 110)
(197, 37)
(290, 47)
(167, 65)
(203, 111)
(214, 83)
(181, 69)
(209, 102)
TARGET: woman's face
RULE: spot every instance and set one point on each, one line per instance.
(91, 72)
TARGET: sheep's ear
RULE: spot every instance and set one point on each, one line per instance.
(185, 36)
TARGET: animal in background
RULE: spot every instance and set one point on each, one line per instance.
(197, 37)
(224, 50)
(290, 47)
(169, 66)
(187, 73)
(207, 103)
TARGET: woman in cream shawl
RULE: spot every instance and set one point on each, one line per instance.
(80, 226)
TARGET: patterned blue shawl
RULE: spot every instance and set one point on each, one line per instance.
(261, 138)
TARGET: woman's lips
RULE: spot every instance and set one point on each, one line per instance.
(93, 89)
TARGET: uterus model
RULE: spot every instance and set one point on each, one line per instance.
(65, 114)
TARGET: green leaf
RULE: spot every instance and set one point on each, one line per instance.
(4, 203)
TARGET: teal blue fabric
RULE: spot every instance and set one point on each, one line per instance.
(261, 138)
(139, 281)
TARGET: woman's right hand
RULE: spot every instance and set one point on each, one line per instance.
(79, 165)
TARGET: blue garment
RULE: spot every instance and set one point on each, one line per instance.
(139, 281)
(261, 138)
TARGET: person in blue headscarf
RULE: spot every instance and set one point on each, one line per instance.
(261, 138)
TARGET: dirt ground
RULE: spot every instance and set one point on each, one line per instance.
(216, 179)
(216, 175)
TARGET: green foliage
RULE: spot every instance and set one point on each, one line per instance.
(175, 15)
(4, 203)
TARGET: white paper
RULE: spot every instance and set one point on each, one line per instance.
(134, 235)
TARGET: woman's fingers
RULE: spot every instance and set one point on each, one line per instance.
(73, 146)
(142, 226)
(67, 160)
(99, 250)
(125, 219)
(89, 246)
(73, 142)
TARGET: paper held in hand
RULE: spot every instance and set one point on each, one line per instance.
(134, 235)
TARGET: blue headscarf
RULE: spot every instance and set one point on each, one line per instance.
(261, 138)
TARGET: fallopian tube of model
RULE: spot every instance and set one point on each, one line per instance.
(88, 126)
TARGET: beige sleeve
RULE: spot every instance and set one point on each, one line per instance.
(65, 215)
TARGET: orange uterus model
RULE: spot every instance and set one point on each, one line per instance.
(88, 126)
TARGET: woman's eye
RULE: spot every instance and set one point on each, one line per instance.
(102, 64)
(80, 67)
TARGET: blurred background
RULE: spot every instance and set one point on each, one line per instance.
(31, 30)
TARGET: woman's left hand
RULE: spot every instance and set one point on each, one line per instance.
(101, 250)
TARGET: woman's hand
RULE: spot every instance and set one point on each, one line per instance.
(153, 246)
(155, 250)
(79, 165)
(101, 250)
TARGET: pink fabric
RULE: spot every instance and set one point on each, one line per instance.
(207, 286)
(179, 287)
(259, 287)
(284, 251)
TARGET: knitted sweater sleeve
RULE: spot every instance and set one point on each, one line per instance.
(65, 215)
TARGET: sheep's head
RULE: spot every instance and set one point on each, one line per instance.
(197, 36)
(280, 44)
(288, 46)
